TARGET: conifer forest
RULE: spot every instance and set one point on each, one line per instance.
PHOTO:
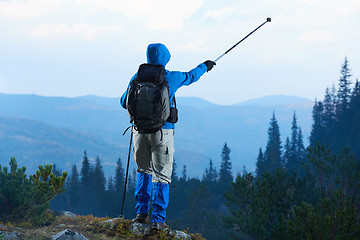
(298, 191)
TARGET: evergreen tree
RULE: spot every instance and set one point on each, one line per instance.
(130, 192)
(86, 191)
(225, 174)
(342, 113)
(301, 152)
(273, 148)
(344, 92)
(184, 173)
(294, 161)
(119, 178)
(210, 174)
(131, 184)
(354, 123)
(199, 203)
(73, 191)
(26, 200)
(294, 136)
(110, 201)
(286, 158)
(260, 168)
(318, 128)
(110, 185)
(174, 176)
(85, 171)
(329, 106)
(99, 183)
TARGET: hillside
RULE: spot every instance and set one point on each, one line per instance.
(35, 143)
(202, 130)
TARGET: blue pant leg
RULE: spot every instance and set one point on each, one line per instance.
(160, 201)
(143, 193)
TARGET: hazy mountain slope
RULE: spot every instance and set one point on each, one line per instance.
(35, 143)
(275, 100)
(202, 130)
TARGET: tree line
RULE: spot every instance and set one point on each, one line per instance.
(295, 192)
(336, 118)
(299, 193)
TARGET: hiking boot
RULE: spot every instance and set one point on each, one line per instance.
(140, 218)
(159, 226)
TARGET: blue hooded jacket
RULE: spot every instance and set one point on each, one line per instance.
(158, 54)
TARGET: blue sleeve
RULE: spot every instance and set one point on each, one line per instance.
(123, 97)
(178, 79)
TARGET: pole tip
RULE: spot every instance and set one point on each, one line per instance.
(268, 19)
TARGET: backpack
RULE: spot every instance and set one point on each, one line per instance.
(148, 101)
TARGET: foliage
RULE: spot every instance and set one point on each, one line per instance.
(259, 206)
(271, 159)
(324, 204)
(290, 158)
(225, 175)
(27, 199)
(337, 212)
(336, 119)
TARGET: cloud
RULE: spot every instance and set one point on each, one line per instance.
(63, 31)
(219, 13)
(316, 36)
(27, 9)
(159, 14)
(340, 7)
(191, 46)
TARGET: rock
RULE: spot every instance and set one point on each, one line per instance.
(9, 235)
(61, 225)
(68, 214)
(2, 226)
(181, 235)
(139, 229)
(111, 222)
(68, 234)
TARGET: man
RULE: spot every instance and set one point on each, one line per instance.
(153, 152)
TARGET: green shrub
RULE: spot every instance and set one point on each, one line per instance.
(324, 204)
(25, 199)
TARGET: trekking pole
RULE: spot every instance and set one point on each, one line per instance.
(127, 171)
(267, 20)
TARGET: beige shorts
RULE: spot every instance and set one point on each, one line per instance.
(154, 154)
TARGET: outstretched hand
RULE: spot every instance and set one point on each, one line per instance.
(209, 64)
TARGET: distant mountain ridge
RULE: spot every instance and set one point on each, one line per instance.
(276, 100)
(201, 132)
(35, 143)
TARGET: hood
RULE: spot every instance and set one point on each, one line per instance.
(157, 53)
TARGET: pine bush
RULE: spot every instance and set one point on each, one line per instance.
(24, 199)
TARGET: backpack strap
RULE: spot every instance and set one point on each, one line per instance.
(173, 118)
(174, 101)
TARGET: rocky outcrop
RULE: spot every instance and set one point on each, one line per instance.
(140, 230)
(68, 234)
(136, 230)
(9, 235)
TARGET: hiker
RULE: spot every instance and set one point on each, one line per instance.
(153, 152)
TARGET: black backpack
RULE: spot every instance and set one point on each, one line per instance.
(148, 102)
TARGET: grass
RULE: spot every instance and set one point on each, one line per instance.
(93, 228)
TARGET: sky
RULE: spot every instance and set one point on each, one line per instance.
(80, 47)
